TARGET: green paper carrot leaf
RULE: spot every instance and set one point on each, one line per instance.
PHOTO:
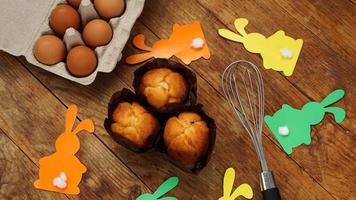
(164, 188)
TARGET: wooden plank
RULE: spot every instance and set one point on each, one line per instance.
(32, 117)
(152, 168)
(306, 80)
(17, 173)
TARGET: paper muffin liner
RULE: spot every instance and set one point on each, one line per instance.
(163, 113)
(187, 74)
(204, 159)
(126, 95)
(156, 140)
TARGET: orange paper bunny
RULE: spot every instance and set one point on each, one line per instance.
(187, 43)
(62, 171)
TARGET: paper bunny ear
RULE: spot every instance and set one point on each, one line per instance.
(333, 97)
(230, 35)
(168, 198)
(166, 186)
(229, 179)
(70, 117)
(139, 58)
(86, 124)
(139, 42)
(240, 25)
(71, 114)
(339, 113)
(244, 190)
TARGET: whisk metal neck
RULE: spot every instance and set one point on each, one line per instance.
(267, 180)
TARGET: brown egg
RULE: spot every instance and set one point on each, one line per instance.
(97, 33)
(81, 61)
(49, 50)
(74, 3)
(64, 17)
(108, 9)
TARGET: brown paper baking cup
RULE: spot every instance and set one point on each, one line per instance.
(126, 95)
(202, 162)
(163, 113)
(187, 74)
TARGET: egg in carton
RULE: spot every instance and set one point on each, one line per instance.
(23, 22)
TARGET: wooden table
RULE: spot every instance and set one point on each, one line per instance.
(33, 103)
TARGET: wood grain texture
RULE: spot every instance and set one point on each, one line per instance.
(152, 167)
(33, 118)
(322, 170)
(208, 184)
(278, 88)
(17, 173)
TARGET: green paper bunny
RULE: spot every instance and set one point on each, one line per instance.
(165, 187)
(292, 127)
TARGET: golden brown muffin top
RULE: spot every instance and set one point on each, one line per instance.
(134, 122)
(186, 137)
(161, 86)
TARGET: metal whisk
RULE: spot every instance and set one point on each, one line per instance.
(243, 88)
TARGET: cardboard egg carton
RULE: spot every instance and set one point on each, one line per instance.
(23, 22)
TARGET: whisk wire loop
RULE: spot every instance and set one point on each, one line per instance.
(242, 86)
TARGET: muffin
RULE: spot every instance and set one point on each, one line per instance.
(162, 86)
(186, 138)
(134, 123)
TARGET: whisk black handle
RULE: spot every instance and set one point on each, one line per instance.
(268, 186)
(271, 194)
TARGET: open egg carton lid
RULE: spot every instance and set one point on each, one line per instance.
(22, 22)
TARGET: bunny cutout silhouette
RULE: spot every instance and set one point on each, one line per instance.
(244, 190)
(279, 52)
(62, 171)
(165, 187)
(187, 43)
(292, 127)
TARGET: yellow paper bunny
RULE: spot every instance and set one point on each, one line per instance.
(279, 52)
(244, 190)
